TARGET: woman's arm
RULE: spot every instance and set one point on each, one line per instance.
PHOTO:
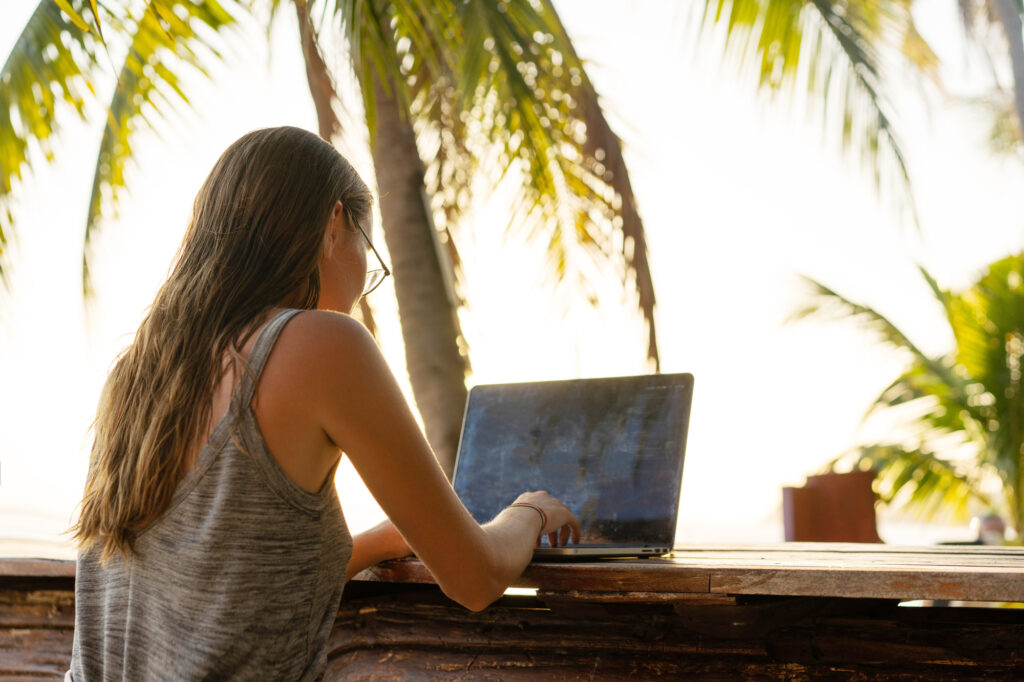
(380, 543)
(384, 542)
(362, 410)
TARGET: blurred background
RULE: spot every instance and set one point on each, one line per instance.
(872, 147)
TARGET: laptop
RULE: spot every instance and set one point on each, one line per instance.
(611, 449)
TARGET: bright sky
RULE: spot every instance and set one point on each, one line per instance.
(738, 197)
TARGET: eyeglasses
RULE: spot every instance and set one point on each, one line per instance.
(375, 276)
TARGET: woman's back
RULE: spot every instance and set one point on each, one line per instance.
(240, 577)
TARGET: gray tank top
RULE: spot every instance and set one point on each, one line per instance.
(240, 578)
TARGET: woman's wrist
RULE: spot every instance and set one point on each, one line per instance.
(537, 509)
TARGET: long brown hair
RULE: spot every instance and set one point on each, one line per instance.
(253, 243)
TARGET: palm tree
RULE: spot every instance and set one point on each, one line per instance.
(996, 26)
(832, 49)
(961, 414)
(1011, 17)
(450, 89)
(518, 92)
(410, 66)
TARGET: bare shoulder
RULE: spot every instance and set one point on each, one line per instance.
(316, 336)
(317, 373)
(319, 350)
(309, 376)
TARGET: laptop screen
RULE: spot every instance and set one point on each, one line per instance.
(610, 449)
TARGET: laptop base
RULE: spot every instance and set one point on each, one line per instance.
(585, 553)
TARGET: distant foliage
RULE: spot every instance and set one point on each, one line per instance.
(963, 411)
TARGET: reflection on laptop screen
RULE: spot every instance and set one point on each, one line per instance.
(610, 449)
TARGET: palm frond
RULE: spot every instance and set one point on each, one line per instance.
(988, 323)
(1005, 135)
(165, 36)
(965, 410)
(50, 67)
(603, 150)
(821, 301)
(508, 69)
(96, 19)
(918, 480)
(996, 27)
(941, 295)
(373, 31)
(944, 407)
(832, 48)
(73, 14)
(520, 107)
(937, 379)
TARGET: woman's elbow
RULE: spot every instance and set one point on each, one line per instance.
(480, 582)
(477, 605)
(475, 597)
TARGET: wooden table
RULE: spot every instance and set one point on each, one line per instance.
(780, 612)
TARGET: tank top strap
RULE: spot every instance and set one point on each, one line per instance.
(259, 354)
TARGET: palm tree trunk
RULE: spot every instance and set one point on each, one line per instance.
(321, 85)
(437, 368)
(1009, 17)
(426, 308)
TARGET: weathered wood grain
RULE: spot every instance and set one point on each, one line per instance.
(793, 569)
(37, 608)
(731, 612)
(37, 620)
(823, 554)
(398, 665)
(36, 653)
(648, 575)
(37, 568)
(424, 636)
(962, 584)
(860, 549)
(548, 596)
(797, 569)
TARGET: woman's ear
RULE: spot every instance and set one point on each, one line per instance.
(335, 227)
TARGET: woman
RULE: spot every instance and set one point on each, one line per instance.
(212, 542)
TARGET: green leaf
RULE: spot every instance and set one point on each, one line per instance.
(519, 107)
(833, 49)
(958, 418)
(75, 17)
(48, 72)
(96, 16)
(919, 481)
(161, 43)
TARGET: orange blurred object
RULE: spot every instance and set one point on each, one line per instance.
(831, 508)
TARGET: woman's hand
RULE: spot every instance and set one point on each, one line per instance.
(561, 526)
(392, 544)
(380, 543)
